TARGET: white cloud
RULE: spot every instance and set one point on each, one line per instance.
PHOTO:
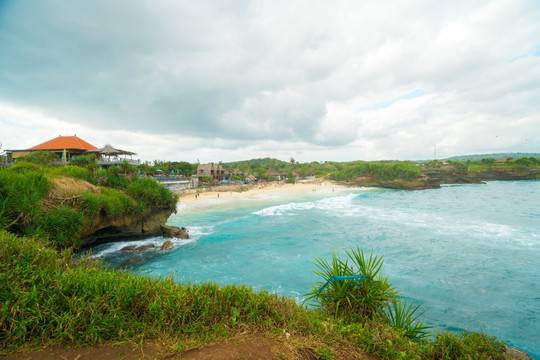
(309, 79)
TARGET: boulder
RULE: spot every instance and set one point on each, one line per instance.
(174, 232)
(167, 245)
(129, 248)
(516, 354)
(145, 247)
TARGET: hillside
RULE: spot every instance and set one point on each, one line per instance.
(493, 156)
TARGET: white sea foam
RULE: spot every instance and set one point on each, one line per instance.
(198, 231)
(116, 247)
(326, 204)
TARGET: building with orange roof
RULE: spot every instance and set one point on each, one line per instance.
(72, 145)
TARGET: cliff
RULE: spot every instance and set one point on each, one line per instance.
(434, 179)
(422, 183)
(100, 227)
(103, 229)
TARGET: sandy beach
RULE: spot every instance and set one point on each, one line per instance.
(257, 191)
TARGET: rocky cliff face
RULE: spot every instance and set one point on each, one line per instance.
(423, 183)
(134, 226)
(506, 175)
(433, 180)
(107, 228)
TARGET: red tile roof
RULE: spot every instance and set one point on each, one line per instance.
(64, 142)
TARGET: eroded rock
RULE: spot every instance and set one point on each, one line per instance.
(174, 232)
(516, 354)
(145, 247)
(167, 245)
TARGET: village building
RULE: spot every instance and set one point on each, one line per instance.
(66, 147)
(214, 171)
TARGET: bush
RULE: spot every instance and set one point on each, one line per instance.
(358, 300)
(43, 158)
(474, 346)
(149, 193)
(107, 202)
(22, 189)
(77, 172)
(61, 226)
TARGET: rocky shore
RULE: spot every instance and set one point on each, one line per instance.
(434, 179)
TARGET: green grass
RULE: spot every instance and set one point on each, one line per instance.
(49, 298)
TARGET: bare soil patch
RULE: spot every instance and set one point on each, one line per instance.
(243, 346)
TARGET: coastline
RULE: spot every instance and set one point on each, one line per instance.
(225, 192)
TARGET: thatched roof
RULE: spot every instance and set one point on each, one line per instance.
(110, 151)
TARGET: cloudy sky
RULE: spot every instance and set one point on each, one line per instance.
(232, 80)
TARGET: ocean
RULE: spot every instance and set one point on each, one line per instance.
(469, 253)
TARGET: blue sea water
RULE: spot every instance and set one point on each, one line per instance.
(469, 253)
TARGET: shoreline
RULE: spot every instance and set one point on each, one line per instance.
(224, 192)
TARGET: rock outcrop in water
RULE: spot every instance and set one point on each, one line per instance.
(434, 179)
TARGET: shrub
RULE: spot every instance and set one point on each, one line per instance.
(44, 158)
(61, 226)
(474, 346)
(77, 172)
(370, 298)
(107, 202)
(149, 193)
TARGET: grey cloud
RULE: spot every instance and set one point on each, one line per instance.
(252, 71)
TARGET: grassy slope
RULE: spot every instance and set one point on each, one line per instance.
(50, 299)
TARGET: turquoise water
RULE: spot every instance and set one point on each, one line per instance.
(469, 253)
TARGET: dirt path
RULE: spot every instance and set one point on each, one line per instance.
(246, 346)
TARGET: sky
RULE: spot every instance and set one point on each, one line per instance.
(209, 81)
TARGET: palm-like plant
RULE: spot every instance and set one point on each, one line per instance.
(354, 290)
(405, 315)
(352, 298)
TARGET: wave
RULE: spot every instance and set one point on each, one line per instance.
(288, 209)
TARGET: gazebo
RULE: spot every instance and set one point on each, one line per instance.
(108, 155)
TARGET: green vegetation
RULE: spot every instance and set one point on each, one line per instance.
(493, 156)
(37, 200)
(48, 298)
(41, 157)
(379, 170)
(371, 298)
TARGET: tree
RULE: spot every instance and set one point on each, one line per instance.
(292, 162)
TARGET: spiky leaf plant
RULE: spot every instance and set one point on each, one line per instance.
(405, 315)
(351, 299)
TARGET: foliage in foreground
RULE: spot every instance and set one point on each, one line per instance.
(370, 298)
(48, 298)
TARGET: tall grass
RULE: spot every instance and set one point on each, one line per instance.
(49, 298)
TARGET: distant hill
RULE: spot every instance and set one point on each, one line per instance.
(253, 163)
(493, 156)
